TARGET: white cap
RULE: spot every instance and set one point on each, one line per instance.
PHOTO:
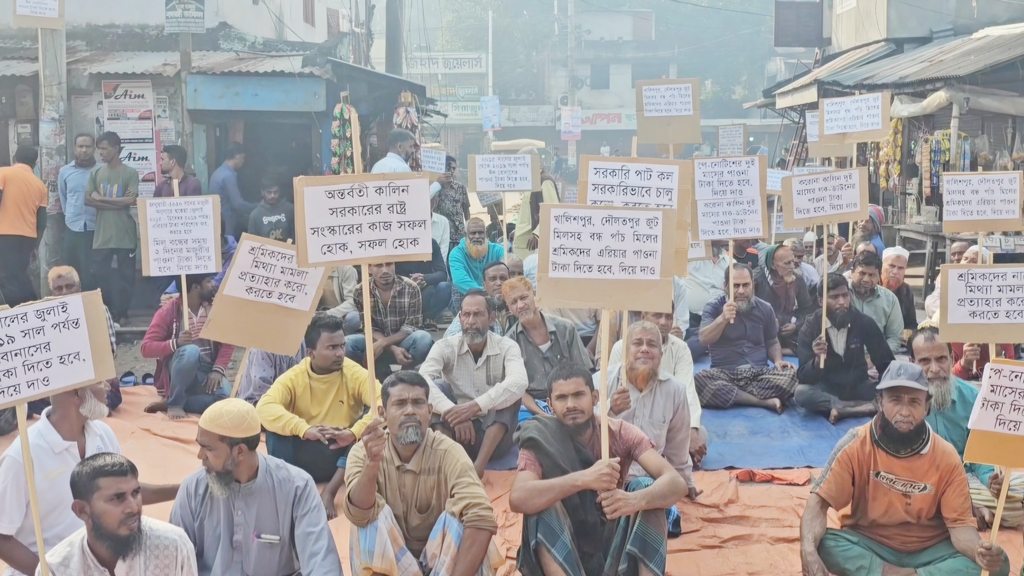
(896, 251)
(810, 237)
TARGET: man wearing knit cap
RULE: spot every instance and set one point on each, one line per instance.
(247, 513)
(894, 266)
(870, 229)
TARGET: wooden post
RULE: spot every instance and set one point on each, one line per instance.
(728, 274)
(824, 291)
(775, 218)
(184, 283)
(606, 321)
(30, 477)
(633, 149)
(368, 332)
(999, 509)
(241, 371)
(623, 327)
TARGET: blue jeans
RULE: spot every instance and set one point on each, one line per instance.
(436, 299)
(188, 382)
(417, 344)
(352, 323)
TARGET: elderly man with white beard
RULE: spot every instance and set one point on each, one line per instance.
(68, 432)
(248, 513)
(469, 258)
(894, 268)
(952, 401)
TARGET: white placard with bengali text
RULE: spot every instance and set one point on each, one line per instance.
(182, 236)
(812, 127)
(801, 170)
(728, 194)
(730, 140)
(780, 227)
(990, 295)
(775, 177)
(981, 196)
(852, 114)
(433, 160)
(826, 193)
(504, 172)
(1000, 403)
(632, 184)
(698, 250)
(609, 244)
(44, 347)
(668, 100)
(367, 220)
(38, 8)
(265, 273)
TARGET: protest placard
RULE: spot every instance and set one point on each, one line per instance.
(180, 235)
(801, 170)
(504, 173)
(732, 140)
(729, 198)
(774, 185)
(816, 149)
(433, 160)
(38, 14)
(53, 346)
(264, 286)
(629, 250)
(642, 183)
(362, 218)
(825, 198)
(989, 201)
(852, 119)
(981, 303)
(668, 111)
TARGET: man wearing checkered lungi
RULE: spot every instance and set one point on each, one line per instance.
(742, 335)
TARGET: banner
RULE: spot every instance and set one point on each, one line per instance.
(572, 123)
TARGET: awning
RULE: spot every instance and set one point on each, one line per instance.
(203, 62)
(969, 97)
(805, 89)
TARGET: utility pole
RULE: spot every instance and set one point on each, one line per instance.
(394, 43)
(53, 144)
(490, 53)
(571, 65)
(184, 69)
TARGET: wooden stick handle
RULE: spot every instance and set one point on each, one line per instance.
(824, 295)
(606, 326)
(30, 477)
(241, 372)
(184, 286)
(623, 327)
(368, 333)
(999, 509)
(728, 274)
(775, 218)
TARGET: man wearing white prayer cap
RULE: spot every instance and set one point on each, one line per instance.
(894, 267)
(248, 513)
(809, 239)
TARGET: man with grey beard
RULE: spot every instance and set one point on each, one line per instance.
(247, 513)
(414, 499)
(952, 402)
(69, 431)
(117, 538)
(469, 258)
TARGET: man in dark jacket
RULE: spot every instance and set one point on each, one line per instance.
(432, 278)
(843, 388)
(778, 284)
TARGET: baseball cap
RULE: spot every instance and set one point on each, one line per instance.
(906, 374)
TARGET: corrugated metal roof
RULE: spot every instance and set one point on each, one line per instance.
(840, 64)
(945, 59)
(203, 62)
(19, 67)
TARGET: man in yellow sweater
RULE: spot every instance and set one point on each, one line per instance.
(316, 410)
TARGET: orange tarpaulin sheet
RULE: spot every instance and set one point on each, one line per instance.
(733, 529)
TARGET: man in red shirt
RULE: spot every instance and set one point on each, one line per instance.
(580, 515)
(23, 201)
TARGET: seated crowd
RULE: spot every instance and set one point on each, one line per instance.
(512, 385)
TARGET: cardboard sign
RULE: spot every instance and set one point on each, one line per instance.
(504, 173)
(989, 201)
(825, 198)
(853, 119)
(642, 183)
(433, 160)
(265, 287)
(362, 218)
(982, 303)
(801, 170)
(668, 111)
(180, 235)
(729, 198)
(997, 433)
(781, 230)
(38, 14)
(817, 150)
(732, 140)
(52, 346)
(606, 257)
(775, 177)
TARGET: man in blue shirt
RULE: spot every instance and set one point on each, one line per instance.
(79, 218)
(468, 259)
(234, 209)
(952, 402)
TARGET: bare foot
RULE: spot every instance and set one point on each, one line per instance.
(777, 404)
(328, 499)
(155, 407)
(834, 417)
(176, 414)
(694, 492)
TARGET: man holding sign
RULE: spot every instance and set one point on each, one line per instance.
(911, 507)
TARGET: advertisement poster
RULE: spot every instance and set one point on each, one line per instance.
(144, 159)
(128, 109)
(490, 111)
(572, 123)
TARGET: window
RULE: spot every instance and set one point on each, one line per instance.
(649, 71)
(309, 12)
(333, 22)
(600, 76)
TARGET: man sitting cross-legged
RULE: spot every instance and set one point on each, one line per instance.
(742, 336)
(904, 496)
(581, 514)
(414, 500)
(313, 413)
(842, 389)
(477, 380)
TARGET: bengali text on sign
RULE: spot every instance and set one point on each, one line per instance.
(264, 273)
(729, 200)
(668, 100)
(981, 196)
(182, 236)
(606, 244)
(504, 172)
(632, 184)
(826, 193)
(1000, 403)
(852, 114)
(988, 295)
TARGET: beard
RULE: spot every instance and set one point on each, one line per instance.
(220, 482)
(861, 291)
(476, 251)
(120, 546)
(942, 393)
(892, 284)
(93, 409)
(579, 429)
(899, 443)
(474, 336)
(839, 320)
(410, 435)
(743, 306)
(640, 375)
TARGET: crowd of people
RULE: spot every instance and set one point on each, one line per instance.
(508, 385)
